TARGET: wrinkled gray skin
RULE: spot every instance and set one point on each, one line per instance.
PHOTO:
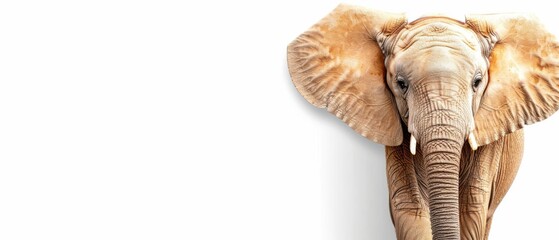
(443, 86)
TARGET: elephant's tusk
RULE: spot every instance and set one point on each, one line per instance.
(413, 144)
(472, 141)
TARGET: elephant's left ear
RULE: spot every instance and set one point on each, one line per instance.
(523, 83)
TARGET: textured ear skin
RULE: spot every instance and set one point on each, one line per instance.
(523, 83)
(338, 65)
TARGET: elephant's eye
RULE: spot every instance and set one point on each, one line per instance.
(477, 82)
(402, 84)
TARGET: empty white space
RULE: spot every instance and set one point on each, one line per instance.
(178, 120)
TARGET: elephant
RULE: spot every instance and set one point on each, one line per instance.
(447, 98)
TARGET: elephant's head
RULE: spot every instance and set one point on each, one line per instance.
(443, 81)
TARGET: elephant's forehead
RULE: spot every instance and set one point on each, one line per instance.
(434, 31)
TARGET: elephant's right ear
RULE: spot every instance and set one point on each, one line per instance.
(338, 65)
(523, 85)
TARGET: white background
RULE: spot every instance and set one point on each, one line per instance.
(176, 120)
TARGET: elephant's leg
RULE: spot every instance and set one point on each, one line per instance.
(475, 190)
(409, 211)
(485, 177)
(477, 171)
(512, 151)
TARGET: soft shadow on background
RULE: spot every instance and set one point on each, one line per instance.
(354, 187)
(353, 175)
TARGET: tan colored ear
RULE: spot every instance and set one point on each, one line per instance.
(523, 83)
(338, 65)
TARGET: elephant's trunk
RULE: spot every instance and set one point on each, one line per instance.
(442, 165)
(441, 135)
